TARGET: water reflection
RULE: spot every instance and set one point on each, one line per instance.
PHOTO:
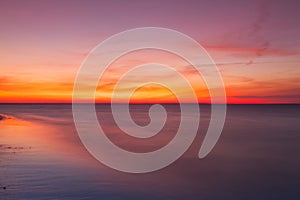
(257, 157)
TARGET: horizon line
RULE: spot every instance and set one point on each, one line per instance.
(164, 103)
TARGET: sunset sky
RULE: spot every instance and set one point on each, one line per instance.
(255, 44)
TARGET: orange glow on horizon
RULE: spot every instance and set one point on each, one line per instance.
(246, 87)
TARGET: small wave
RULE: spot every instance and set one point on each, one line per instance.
(46, 119)
(11, 120)
(3, 117)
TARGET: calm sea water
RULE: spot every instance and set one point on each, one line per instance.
(257, 156)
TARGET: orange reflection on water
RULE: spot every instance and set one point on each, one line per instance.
(45, 140)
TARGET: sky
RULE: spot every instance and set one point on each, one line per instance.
(255, 45)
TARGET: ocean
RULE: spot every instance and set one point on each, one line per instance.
(256, 157)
